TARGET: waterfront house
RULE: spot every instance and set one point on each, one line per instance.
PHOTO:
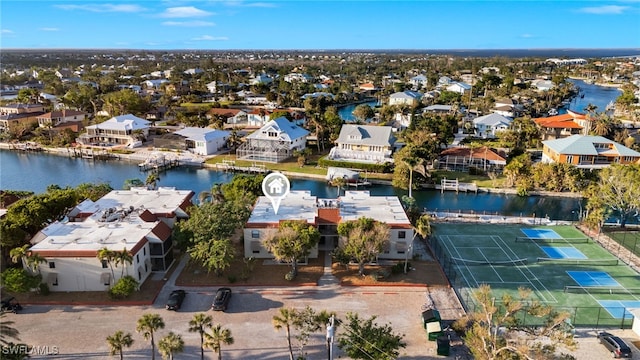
(488, 126)
(230, 116)
(326, 215)
(561, 126)
(13, 116)
(119, 130)
(459, 87)
(274, 142)
(201, 141)
(63, 118)
(410, 98)
(138, 221)
(463, 158)
(589, 152)
(364, 143)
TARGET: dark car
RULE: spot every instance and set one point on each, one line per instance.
(221, 301)
(617, 346)
(10, 304)
(175, 299)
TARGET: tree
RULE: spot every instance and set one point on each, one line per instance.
(339, 183)
(148, 324)
(123, 258)
(152, 180)
(125, 101)
(170, 344)
(363, 112)
(307, 322)
(7, 331)
(496, 332)
(292, 242)
(109, 256)
(619, 190)
(216, 338)
(200, 323)
(214, 254)
(129, 183)
(19, 280)
(363, 240)
(118, 341)
(365, 339)
(285, 320)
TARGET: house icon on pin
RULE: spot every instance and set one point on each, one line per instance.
(275, 186)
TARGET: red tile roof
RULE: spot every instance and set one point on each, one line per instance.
(328, 216)
(563, 121)
(479, 153)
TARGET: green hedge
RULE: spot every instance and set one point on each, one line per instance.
(379, 168)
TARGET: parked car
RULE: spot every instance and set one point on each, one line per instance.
(617, 346)
(175, 299)
(10, 304)
(221, 301)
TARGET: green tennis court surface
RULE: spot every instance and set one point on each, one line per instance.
(561, 265)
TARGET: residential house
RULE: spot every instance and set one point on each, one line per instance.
(439, 109)
(64, 118)
(419, 81)
(318, 94)
(507, 107)
(444, 81)
(542, 85)
(364, 143)
(463, 158)
(274, 142)
(193, 71)
(13, 116)
(326, 215)
(488, 126)
(258, 117)
(138, 221)
(459, 87)
(230, 116)
(21, 109)
(119, 130)
(589, 152)
(561, 126)
(215, 87)
(410, 98)
(368, 87)
(201, 141)
(298, 77)
(154, 84)
(261, 79)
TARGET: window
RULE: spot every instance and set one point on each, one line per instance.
(402, 234)
(144, 251)
(52, 265)
(104, 264)
(255, 234)
(137, 258)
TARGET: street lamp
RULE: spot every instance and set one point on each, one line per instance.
(330, 334)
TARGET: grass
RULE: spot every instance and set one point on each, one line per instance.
(547, 280)
(480, 180)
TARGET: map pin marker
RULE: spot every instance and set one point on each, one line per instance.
(275, 187)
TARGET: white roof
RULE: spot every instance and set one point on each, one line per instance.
(161, 201)
(386, 209)
(286, 130)
(406, 95)
(123, 122)
(297, 205)
(492, 120)
(202, 134)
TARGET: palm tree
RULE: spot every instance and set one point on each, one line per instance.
(118, 341)
(286, 319)
(109, 256)
(19, 253)
(338, 182)
(216, 338)
(423, 226)
(123, 258)
(34, 260)
(170, 345)
(152, 180)
(147, 325)
(200, 323)
(7, 331)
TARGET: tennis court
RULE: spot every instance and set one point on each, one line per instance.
(561, 265)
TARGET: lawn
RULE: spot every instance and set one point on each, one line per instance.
(565, 284)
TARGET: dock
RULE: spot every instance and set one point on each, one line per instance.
(91, 154)
(457, 186)
(28, 146)
(230, 166)
(158, 164)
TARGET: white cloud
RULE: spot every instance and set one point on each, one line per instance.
(6, 31)
(210, 38)
(195, 23)
(240, 3)
(184, 12)
(527, 36)
(128, 8)
(606, 9)
(49, 29)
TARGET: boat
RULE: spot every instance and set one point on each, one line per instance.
(347, 174)
(553, 112)
(611, 106)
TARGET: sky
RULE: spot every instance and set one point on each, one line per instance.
(318, 24)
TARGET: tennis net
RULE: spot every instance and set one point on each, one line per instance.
(582, 240)
(468, 262)
(594, 262)
(601, 290)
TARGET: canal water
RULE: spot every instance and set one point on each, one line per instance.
(599, 96)
(35, 171)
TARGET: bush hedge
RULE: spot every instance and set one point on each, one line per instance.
(380, 168)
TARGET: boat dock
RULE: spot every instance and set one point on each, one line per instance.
(457, 186)
(230, 166)
(158, 164)
(28, 146)
(90, 153)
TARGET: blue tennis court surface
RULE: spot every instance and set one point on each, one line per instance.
(541, 233)
(558, 252)
(618, 308)
(592, 278)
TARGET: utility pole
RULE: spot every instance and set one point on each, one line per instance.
(330, 335)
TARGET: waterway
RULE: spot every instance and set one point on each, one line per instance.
(35, 171)
(346, 112)
(599, 96)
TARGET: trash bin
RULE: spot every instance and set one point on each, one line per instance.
(443, 345)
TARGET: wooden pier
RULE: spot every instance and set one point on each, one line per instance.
(90, 153)
(457, 186)
(230, 166)
(28, 146)
(158, 164)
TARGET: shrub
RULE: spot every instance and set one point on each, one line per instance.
(398, 268)
(19, 280)
(123, 288)
(379, 168)
(289, 276)
(44, 289)
(232, 278)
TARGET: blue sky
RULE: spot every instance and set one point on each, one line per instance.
(315, 24)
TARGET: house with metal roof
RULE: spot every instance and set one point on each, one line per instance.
(326, 215)
(589, 152)
(138, 221)
(119, 130)
(274, 142)
(459, 87)
(364, 143)
(488, 126)
(411, 98)
(201, 141)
